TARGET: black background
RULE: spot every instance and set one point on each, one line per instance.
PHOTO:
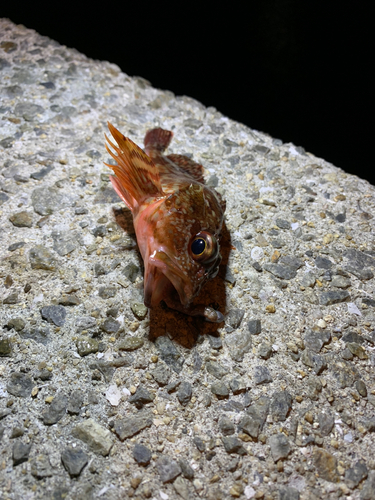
(300, 71)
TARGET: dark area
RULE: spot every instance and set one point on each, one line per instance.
(299, 71)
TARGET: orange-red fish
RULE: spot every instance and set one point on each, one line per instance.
(177, 219)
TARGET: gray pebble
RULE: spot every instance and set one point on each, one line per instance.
(357, 350)
(141, 397)
(361, 388)
(237, 385)
(184, 392)
(254, 326)
(264, 351)
(216, 369)
(169, 353)
(74, 460)
(354, 475)
(368, 489)
(280, 447)
(161, 374)
(85, 323)
(12, 298)
(334, 297)
(56, 410)
(187, 471)
(16, 246)
(220, 389)
(110, 326)
(283, 272)
(288, 493)
(40, 335)
(40, 467)
(323, 263)
(353, 337)
(233, 319)
(107, 292)
(130, 426)
(131, 271)
(168, 469)
(262, 375)
(75, 402)
(326, 423)
(283, 224)
(199, 443)
(20, 452)
(238, 343)
(17, 323)
(346, 354)
(47, 200)
(316, 340)
(340, 282)
(141, 454)
(54, 314)
(43, 172)
(20, 385)
(99, 270)
(281, 404)
(233, 445)
(100, 231)
(28, 110)
(215, 342)
(226, 426)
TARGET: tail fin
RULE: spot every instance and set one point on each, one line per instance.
(136, 175)
(157, 138)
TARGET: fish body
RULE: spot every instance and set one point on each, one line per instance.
(177, 219)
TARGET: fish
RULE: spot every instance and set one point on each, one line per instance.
(177, 219)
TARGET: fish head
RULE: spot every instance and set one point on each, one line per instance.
(179, 242)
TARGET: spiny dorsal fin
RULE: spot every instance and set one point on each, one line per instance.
(189, 166)
(157, 139)
(135, 171)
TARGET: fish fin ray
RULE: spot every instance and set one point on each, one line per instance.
(157, 139)
(188, 165)
(135, 171)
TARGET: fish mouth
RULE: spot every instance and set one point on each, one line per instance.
(162, 274)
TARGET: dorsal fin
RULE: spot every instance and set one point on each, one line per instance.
(188, 165)
(136, 176)
(157, 139)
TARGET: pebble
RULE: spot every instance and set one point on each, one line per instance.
(142, 454)
(56, 410)
(169, 354)
(265, 351)
(64, 243)
(233, 319)
(181, 488)
(361, 388)
(315, 340)
(168, 469)
(86, 346)
(20, 452)
(161, 374)
(17, 323)
(132, 425)
(237, 385)
(54, 314)
(216, 369)
(262, 375)
(139, 310)
(111, 326)
(280, 447)
(141, 397)
(131, 271)
(281, 404)
(288, 493)
(40, 467)
(107, 292)
(254, 326)
(75, 402)
(334, 297)
(226, 426)
(20, 385)
(233, 445)
(283, 272)
(325, 464)
(220, 389)
(368, 489)
(74, 460)
(326, 423)
(238, 344)
(253, 421)
(186, 470)
(5, 347)
(357, 350)
(21, 219)
(184, 393)
(130, 344)
(12, 298)
(97, 438)
(47, 200)
(69, 300)
(41, 258)
(354, 475)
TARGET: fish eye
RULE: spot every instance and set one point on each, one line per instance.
(204, 247)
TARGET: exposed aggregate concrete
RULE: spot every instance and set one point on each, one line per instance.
(101, 398)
